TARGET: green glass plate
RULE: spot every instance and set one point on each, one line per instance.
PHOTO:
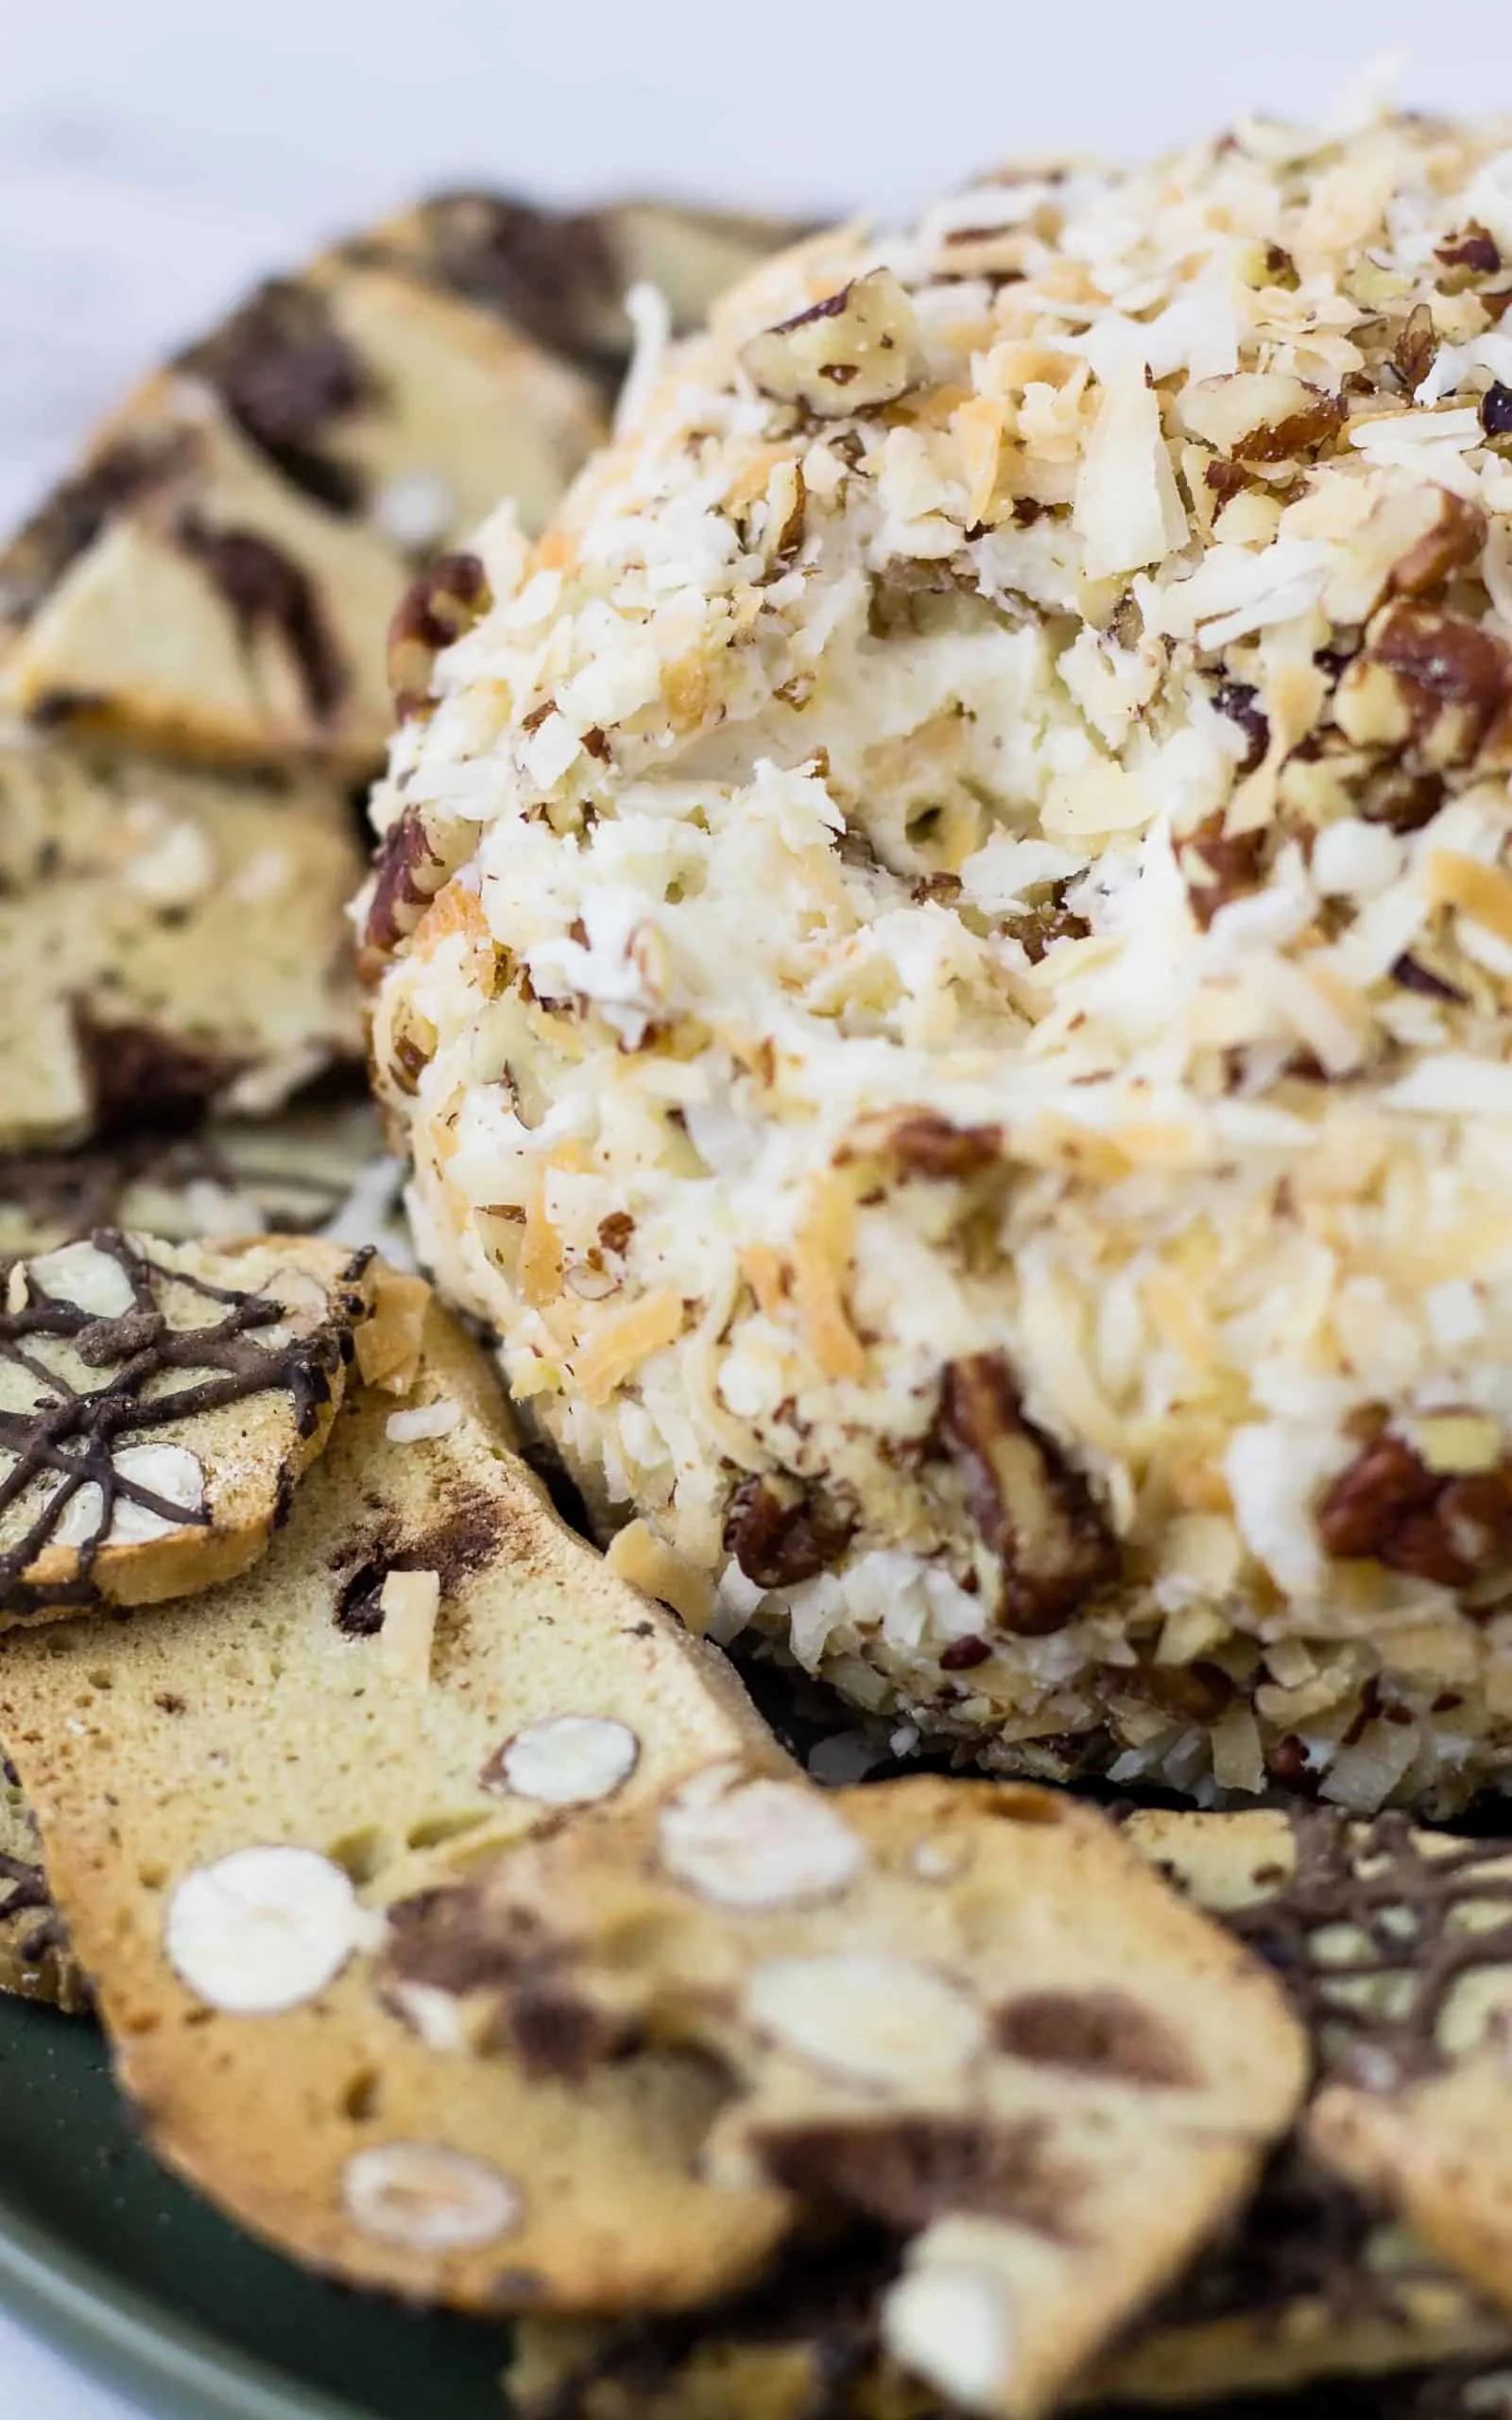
(140, 2283)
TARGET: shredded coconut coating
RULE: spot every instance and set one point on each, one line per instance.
(943, 946)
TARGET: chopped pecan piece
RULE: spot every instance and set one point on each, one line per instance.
(1415, 347)
(437, 608)
(1239, 701)
(853, 352)
(1427, 680)
(1262, 415)
(926, 1145)
(782, 1531)
(409, 871)
(1220, 866)
(1035, 1511)
(1388, 1506)
(1037, 930)
(1471, 252)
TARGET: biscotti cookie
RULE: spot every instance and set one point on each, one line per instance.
(316, 1167)
(159, 1403)
(1307, 2289)
(216, 578)
(168, 940)
(1313, 2284)
(37, 1961)
(962, 2011)
(1019, 724)
(1397, 1944)
(425, 1664)
(562, 276)
(804, 2343)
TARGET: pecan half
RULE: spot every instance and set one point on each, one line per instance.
(437, 608)
(1035, 1511)
(782, 1531)
(1389, 1507)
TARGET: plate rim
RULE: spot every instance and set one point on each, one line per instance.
(128, 2342)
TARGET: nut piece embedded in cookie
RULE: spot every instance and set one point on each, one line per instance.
(744, 1844)
(428, 2199)
(891, 2036)
(565, 1760)
(158, 1404)
(262, 1929)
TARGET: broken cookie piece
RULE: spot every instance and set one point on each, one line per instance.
(158, 1407)
(562, 276)
(216, 578)
(1396, 1943)
(317, 1167)
(230, 1795)
(170, 941)
(37, 1961)
(965, 2013)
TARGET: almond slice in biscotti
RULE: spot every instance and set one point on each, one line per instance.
(1397, 1944)
(965, 2012)
(230, 1793)
(159, 1403)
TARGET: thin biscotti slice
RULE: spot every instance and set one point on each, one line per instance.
(562, 276)
(216, 577)
(316, 1167)
(159, 1403)
(425, 1664)
(1306, 2289)
(1397, 1944)
(966, 2013)
(37, 1961)
(1314, 2283)
(168, 940)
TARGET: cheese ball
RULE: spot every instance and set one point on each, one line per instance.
(942, 948)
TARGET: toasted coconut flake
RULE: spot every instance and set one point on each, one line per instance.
(622, 1340)
(638, 1555)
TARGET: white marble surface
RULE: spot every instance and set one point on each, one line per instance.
(156, 154)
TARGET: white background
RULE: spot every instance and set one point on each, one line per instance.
(155, 153)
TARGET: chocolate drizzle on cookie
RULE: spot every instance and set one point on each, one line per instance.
(285, 373)
(264, 587)
(1375, 2004)
(67, 1439)
(61, 1195)
(1305, 2237)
